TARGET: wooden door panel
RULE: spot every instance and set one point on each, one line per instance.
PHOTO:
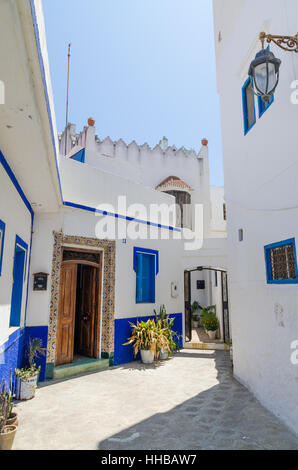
(66, 314)
(87, 312)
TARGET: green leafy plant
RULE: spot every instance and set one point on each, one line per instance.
(229, 342)
(144, 337)
(165, 324)
(35, 350)
(195, 307)
(210, 322)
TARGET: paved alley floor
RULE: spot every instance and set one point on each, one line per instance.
(188, 402)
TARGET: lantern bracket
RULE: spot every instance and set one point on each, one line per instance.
(287, 43)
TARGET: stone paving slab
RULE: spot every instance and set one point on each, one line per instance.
(190, 402)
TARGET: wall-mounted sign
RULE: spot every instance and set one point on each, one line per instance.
(40, 281)
(200, 285)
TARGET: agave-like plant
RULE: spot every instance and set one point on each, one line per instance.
(147, 336)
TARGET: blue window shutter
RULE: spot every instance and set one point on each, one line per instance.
(145, 274)
(139, 277)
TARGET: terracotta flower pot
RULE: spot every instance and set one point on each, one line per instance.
(7, 437)
(91, 122)
(204, 142)
(13, 421)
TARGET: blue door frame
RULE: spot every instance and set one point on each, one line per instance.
(19, 271)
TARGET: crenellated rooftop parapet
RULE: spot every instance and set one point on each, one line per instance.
(88, 139)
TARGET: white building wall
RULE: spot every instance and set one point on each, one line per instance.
(17, 219)
(83, 224)
(261, 194)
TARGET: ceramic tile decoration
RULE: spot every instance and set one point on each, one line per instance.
(108, 297)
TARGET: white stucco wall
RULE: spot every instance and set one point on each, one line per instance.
(81, 223)
(261, 194)
(17, 218)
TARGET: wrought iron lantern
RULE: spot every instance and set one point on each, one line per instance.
(264, 69)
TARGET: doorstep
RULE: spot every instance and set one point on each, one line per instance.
(207, 346)
(80, 367)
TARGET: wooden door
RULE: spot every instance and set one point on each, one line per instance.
(66, 314)
(86, 311)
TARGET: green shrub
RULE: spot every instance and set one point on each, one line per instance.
(210, 322)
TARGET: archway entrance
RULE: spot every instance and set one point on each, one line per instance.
(212, 289)
(78, 329)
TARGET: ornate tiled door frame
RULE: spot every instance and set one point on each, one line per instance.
(108, 295)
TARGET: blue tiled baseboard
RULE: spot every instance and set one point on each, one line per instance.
(124, 354)
(13, 351)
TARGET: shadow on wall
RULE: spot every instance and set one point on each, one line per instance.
(225, 416)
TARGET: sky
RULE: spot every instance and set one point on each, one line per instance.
(143, 69)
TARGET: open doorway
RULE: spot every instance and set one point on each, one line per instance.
(78, 329)
(206, 286)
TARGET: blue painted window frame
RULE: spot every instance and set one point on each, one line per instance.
(19, 242)
(150, 277)
(15, 320)
(247, 128)
(268, 248)
(2, 230)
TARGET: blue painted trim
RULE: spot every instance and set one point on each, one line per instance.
(244, 105)
(40, 332)
(147, 251)
(15, 182)
(41, 63)
(79, 156)
(2, 228)
(267, 249)
(12, 354)
(118, 216)
(262, 107)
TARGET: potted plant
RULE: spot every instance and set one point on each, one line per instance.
(195, 314)
(147, 339)
(27, 377)
(211, 325)
(7, 433)
(165, 328)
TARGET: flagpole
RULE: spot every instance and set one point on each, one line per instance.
(67, 96)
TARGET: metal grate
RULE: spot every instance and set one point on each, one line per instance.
(283, 265)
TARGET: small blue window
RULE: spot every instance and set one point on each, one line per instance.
(2, 236)
(248, 100)
(146, 268)
(281, 262)
(215, 279)
(264, 106)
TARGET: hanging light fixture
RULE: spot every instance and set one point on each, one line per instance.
(264, 69)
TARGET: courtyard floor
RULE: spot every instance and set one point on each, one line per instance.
(191, 402)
